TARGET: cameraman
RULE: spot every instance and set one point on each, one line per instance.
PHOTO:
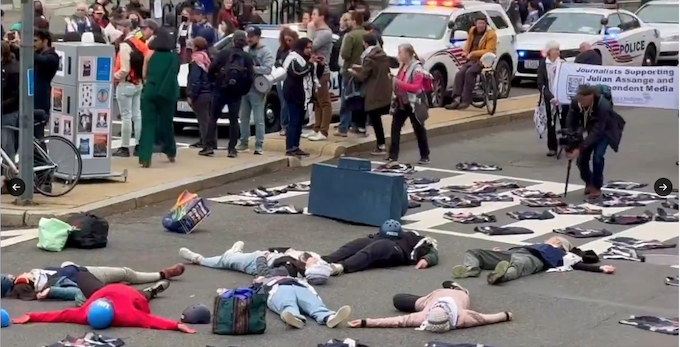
(592, 111)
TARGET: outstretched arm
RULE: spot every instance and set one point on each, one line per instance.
(469, 318)
(405, 321)
(72, 315)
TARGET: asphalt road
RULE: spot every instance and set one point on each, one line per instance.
(573, 309)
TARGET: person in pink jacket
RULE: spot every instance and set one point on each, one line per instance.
(440, 311)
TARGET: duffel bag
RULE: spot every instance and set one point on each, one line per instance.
(240, 311)
(90, 232)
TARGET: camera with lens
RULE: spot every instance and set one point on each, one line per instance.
(570, 140)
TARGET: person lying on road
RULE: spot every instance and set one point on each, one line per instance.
(440, 311)
(292, 298)
(265, 263)
(391, 246)
(555, 253)
(57, 283)
(130, 306)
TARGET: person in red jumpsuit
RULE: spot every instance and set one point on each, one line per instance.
(131, 309)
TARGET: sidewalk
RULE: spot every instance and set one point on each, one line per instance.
(165, 181)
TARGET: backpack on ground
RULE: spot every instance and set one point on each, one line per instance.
(240, 311)
(90, 232)
(53, 234)
(136, 60)
(234, 78)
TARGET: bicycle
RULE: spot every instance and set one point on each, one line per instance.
(47, 171)
(486, 86)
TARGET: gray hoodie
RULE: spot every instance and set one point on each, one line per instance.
(263, 61)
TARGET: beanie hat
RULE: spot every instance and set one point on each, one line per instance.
(437, 321)
(100, 314)
(391, 229)
(6, 283)
(196, 314)
(318, 274)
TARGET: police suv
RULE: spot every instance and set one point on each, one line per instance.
(619, 36)
(272, 120)
(663, 16)
(438, 29)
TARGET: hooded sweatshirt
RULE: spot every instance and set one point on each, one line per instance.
(131, 309)
(263, 62)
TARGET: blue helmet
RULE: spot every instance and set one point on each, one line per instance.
(391, 229)
(100, 314)
(4, 318)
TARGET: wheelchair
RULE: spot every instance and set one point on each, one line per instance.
(485, 92)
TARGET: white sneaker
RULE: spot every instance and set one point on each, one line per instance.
(337, 269)
(237, 247)
(291, 320)
(317, 137)
(339, 317)
(308, 134)
(190, 256)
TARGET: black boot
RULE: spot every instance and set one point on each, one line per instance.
(122, 152)
(156, 288)
(136, 151)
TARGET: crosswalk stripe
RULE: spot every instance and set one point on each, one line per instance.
(13, 237)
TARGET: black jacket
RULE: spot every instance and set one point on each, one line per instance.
(542, 81)
(46, 66)
(602, 122)
(221, 60)
(589, 57)
(10, 86)
(294, 86)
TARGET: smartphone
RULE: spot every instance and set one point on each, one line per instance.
(11, 36)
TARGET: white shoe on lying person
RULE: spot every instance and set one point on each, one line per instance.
(339, 317)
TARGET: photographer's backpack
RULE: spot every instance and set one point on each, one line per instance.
(234, 78)
(605, 91)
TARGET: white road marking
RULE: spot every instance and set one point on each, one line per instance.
(13, 237)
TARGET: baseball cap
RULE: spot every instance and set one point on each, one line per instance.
(254, 31)
(196, 314)
(149, 23)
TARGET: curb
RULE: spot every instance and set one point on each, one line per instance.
(127, 202)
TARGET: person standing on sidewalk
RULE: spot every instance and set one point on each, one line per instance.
(232, 75)
(253, 102)
(287, 38)
(411, 102)
(352, 47)
(159, 98)
(11, 74)
(322, 40)
(127, 75)
(79, 22)
(200, 90)
(374, 75)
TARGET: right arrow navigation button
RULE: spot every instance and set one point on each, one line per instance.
(663, 187)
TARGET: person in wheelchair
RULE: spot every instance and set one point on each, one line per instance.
(481, 40)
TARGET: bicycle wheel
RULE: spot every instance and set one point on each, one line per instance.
(63, 163)
(491, 93)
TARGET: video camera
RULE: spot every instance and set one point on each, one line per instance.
(570, 140)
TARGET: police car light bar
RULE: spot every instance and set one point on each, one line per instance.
(293, 26)
(438, 3)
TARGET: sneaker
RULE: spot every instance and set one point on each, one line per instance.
(551, 153)
(452, 106)
(242, 147)
(173, 271)
(339, 317)
(190, 256)
(232, 153)
(300, 153)
(157, 288)
(122, 152)
(380, 150)
(308, 134)
(463, 106)
(462, 271)
(361, 130)
(237, 247)
(291, 153)
(258, 151)
(317, 137)
(206, 152)
(282, 132)
(291, 320)
(197, 144)
(339, 134)
(424, 161)
(497, 275)
(337, 269)
(135, 152)
(454, 285)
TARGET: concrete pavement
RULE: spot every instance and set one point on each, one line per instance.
(573, 309)
(194, 173)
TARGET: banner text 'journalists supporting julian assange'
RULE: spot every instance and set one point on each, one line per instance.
(631, 80)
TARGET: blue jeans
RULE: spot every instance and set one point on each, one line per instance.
(296, 120)
(299, 300)
(345, 114)
(235, 261)
(10, 137)
(284, 107)
(252, 103)
(593, 178)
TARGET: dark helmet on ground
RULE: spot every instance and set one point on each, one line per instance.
(196, 314)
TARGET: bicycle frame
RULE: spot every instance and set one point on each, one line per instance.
(10, 162)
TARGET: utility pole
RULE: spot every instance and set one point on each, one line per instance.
(27, 85)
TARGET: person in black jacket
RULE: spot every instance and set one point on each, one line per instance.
(200, 94)
(593, 112)
(546, 74)
(46, 66)
(588, 55)
(222, 97)
(10, 99)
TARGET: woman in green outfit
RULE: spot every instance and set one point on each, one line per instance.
(159, 97)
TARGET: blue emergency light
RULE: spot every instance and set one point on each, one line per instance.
(433, 3)
(521, 54)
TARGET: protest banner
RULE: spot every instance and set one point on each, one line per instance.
(653, 86)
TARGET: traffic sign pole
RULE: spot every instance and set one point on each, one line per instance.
(26, 118)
